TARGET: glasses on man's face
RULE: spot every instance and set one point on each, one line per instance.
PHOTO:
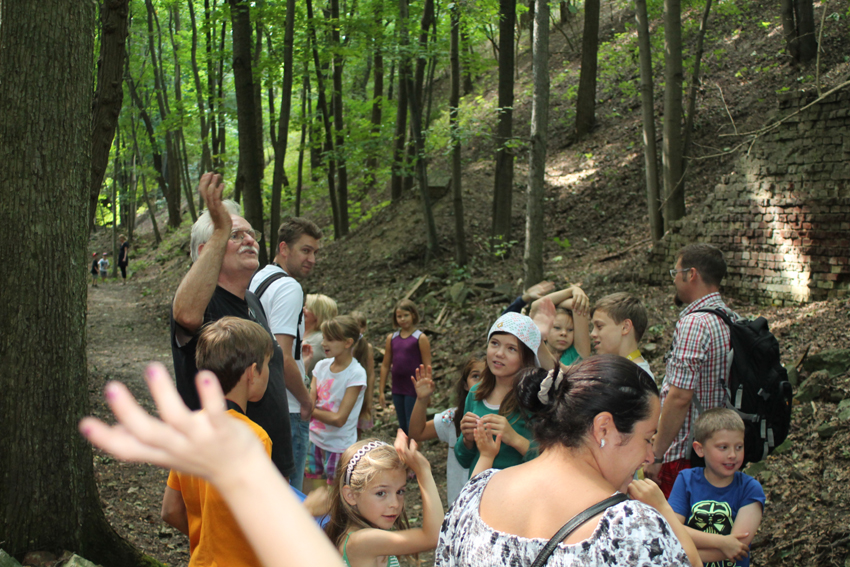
(674, 271)
(239, 235)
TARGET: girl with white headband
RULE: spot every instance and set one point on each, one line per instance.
(368, 523)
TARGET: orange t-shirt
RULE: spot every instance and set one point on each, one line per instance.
(215, 538)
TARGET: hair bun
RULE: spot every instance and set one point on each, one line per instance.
(528, 388)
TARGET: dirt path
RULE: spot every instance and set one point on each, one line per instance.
(125, 332)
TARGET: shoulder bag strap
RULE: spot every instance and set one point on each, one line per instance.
(570, 526)
(261, 289)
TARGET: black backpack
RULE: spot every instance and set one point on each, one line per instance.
(758, 389)
(261, 289)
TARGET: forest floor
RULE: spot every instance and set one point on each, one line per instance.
(596, 236)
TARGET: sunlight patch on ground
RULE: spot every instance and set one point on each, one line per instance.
(567, 180)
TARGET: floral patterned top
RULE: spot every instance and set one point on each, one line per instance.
(630, 533)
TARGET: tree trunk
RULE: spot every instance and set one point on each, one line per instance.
(339, 126)
(789, 29)
(653, 200)
(421, 59)
(300, 181)
(454, 102)
(48, 490)
(586, 100)
(692, 90)
(377, 101)
(398, 172)
(671, 152)
(148, 203)
(533, 256)
(206, 156)
(179, 140)
(250, 154)
(504, 182)
(466, 46)
(109, 95)
(115, 211)
(804, 12)
(282, 126)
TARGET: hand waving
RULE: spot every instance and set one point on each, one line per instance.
(423, 382)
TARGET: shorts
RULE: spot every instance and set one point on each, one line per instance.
(321, 463)
(103, 274)
(668, 473)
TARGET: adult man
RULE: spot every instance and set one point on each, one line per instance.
(283, 301)
(697, 368)
(224, 255)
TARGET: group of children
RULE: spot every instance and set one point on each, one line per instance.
(720, 505)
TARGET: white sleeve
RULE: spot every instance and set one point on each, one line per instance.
(441, 428)
(283, 302)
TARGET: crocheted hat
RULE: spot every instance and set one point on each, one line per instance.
(520, 326)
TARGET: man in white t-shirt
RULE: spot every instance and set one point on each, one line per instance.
(277, 285)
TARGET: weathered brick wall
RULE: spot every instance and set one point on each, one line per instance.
(783, 223)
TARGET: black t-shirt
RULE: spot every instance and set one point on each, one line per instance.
(272, 412)
(124, 254)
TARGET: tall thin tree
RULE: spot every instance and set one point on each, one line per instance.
(454, 102)
(504, 177)
(671, 151)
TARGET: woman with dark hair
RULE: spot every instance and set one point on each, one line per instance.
(594, 425)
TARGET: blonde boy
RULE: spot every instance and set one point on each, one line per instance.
(237, 351)
(619, 321)
(720, 506)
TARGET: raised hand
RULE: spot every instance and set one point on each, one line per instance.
(543, 314)
(647, 491)
(537, 291)
(408, 452)
(211, 188)
(423, 382)
(581, 303)
(498, 425)
(487, 444)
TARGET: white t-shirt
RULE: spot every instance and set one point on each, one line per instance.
(456, 475)
(283, 302)
(331, 387)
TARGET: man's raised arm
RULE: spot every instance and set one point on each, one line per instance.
(197, 287)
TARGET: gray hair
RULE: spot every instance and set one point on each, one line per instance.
(203, 228)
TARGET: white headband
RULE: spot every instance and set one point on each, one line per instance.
(359, 455)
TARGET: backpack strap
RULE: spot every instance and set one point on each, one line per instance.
(574, 523)
(261, 289)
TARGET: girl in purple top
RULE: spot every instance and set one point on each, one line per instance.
(406, 349)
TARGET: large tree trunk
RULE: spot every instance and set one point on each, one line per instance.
(283, 125)
(671, 153)
(250, 154)
(804, 12)
(653, 200)
(586, 100)
(398, 165)
(454, 102)
(533, 255)
(48, 490)
(693, 84)
(504, 177)
(377, 100)
(206, 155)
(109, 95)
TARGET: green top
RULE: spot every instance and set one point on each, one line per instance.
(507, 456)
(570, 356)
(391, 559)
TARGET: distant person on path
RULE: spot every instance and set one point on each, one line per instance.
(94, 270)
(721, 506)
(224, 255)
(406, 350)
(123, 256)
(103, 266)
(278, 288)
(697, 362)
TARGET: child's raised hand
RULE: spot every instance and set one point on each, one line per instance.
(206, 444)
(581, 303)
(408, 452)
(423, 382)
(733, 548)
(487, 445)
(537, 291)
(468, 423)
(543, 314)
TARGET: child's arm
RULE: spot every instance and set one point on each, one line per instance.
(339, 417)
(425, 349)
(314, 391)
(174, 510)
(499, 425)
(735, 546)
(366, 410)
(420, 428)
(581, 328)
(647, 491)
(488, 447)
(385, 370)
(368, 543)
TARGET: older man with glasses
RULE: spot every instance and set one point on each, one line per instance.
(224, 258)
(697, 362)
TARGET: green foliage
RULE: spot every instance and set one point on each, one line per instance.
(564, 242)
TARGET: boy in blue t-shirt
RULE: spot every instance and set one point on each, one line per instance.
(721, 506)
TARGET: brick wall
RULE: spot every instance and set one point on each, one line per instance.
(783, 222)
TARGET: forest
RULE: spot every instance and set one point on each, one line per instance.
(455, 152)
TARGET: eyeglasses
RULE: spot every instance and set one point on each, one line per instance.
(239, 235)
(674, 271)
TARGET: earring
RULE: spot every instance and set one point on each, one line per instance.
(602, 444)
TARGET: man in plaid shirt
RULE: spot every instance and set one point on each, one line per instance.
(696, 363)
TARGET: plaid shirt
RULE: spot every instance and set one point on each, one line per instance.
(697, 361)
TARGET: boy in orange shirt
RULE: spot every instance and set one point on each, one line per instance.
(237, 351)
